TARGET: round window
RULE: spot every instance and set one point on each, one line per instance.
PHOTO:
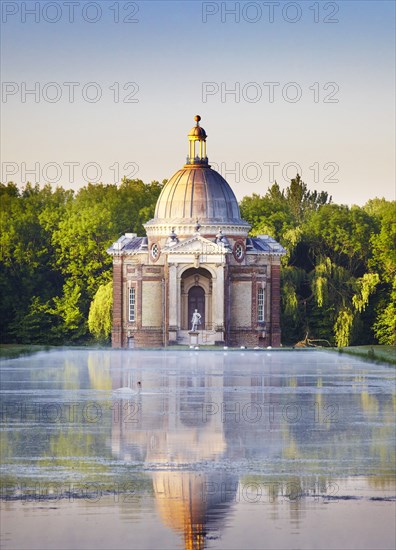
(155, 251)
(239, 251)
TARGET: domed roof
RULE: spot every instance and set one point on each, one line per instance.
(196, 132)
(198, 192)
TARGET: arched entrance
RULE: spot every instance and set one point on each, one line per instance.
(196, 293)
(196, 301)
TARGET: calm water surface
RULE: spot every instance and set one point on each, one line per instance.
(222, 450)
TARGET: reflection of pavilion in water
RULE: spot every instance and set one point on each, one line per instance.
(187, 418)
(172, 433)
(182, 433)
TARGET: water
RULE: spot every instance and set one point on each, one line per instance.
(216, 450)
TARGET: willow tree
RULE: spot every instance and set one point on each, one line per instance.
(100, 312)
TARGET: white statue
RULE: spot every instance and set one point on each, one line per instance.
(195, 320)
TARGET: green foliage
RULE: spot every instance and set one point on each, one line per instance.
(27, 259)
(269, 214)
(366, 286)
(100, 312)
(34, 325)
(293, 314)
(340, 263)
(385, 324)
(81, 240)
(320, 280)
(289, 300)
(338, 277)
(383, 261)
(342, 234)
(301, 200)
(383, 240)
(343, 326)
(53, 253)
(71, 323)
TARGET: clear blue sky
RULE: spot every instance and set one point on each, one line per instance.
(169, 53)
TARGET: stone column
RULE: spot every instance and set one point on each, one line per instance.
(173, 304)
(275, 306)
(227, 303)
(218, 310)
(116, 335)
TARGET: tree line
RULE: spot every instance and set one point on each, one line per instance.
(338, 277)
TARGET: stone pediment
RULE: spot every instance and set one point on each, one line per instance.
(196, 244)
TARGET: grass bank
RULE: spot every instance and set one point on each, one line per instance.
(10, 351)
(382, 354)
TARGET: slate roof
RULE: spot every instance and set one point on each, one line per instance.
(264, 243)
(129, 244)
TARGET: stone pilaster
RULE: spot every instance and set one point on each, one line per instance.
(219, 304)
(219, 297)
(173, 304)
(227, 302)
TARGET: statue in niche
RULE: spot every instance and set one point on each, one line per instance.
(195, 320)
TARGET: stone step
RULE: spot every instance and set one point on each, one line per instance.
(204, 337)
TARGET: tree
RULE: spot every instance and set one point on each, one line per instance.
(331, 276)
(383, 260)
(333, 250)
(385, 324)
(100, 312)
(338, 277)
(92, 222)
(27, 261)
(53, 253)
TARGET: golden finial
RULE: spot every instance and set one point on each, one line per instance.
(197, 118)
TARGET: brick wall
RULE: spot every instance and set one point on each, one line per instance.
(275, 306)
(149, 338)
(248, 338)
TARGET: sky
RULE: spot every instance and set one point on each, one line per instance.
(93, 91)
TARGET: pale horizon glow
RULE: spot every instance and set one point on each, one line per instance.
(344, 145)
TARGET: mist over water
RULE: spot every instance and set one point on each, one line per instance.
(215, 450)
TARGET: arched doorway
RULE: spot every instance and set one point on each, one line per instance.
(196, 293)
(196, 301)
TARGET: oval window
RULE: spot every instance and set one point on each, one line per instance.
(239, 251)
(155, 251)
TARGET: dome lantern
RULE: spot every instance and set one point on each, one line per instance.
(196, 192)
(197, 135)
